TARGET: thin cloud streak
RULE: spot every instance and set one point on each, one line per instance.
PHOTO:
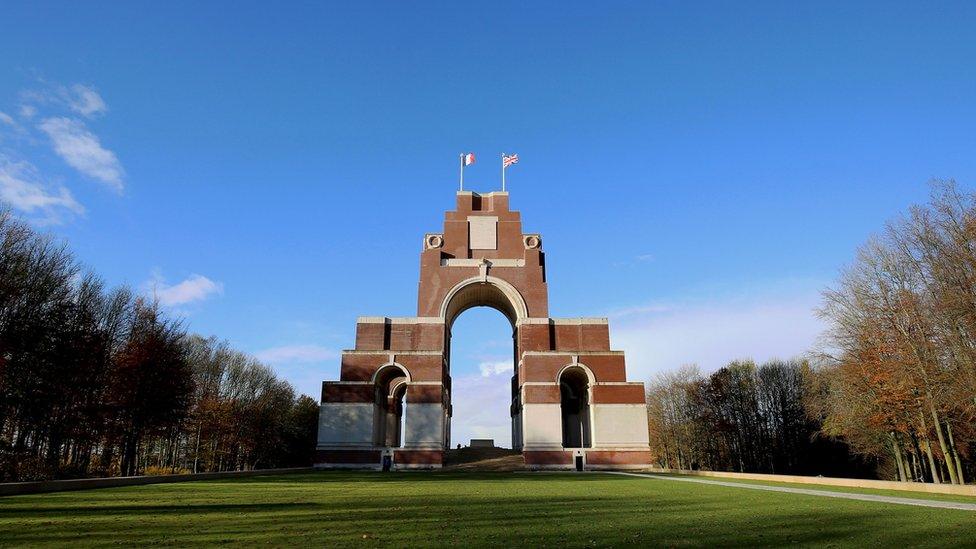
(78, 98)
(22, 189)
(84, 100)
(194, 288)
(82, 150)
(494, 368)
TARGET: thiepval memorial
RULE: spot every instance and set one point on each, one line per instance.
(571, 403)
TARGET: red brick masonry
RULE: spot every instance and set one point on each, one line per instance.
(418, 457)
(618, 457)
(593, 457)
(555, 457)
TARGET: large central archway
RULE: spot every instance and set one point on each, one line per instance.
(493, 293)
(481, 389)
(571, 403)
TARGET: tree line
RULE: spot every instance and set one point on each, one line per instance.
(97, 381)
(746, 418)
(890, 392)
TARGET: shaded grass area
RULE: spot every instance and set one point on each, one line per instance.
(472, 509)
(846, 489)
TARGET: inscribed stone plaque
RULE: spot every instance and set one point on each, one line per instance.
(482, 232)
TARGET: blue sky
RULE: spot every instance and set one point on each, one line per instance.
(699, 172)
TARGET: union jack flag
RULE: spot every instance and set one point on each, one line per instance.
(509, 160)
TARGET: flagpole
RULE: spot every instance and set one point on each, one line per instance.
(461, 184)
(503, 172)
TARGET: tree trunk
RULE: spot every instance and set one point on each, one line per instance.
(896, 448)
(955, 454)
(950, 465)
(917, 474)
(936, 477)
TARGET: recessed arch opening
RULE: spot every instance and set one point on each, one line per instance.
(389, 403)
(574, 406)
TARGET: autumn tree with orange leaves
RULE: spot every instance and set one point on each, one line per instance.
(899, 381)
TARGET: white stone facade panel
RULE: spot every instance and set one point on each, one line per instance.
(346, 423)
(620, 425)
(542, 426)
(425, 425)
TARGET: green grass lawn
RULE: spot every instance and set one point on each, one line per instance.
(470, 509)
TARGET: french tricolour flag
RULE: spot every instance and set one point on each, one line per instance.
(467, 159)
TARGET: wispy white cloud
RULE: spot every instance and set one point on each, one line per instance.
(22, 189)
(54, 111)
(634, 260)
(194, 288)
(83, 151)
(494, 368)
(78, 98)
(295, 354)
(775, 323)
(84, 100)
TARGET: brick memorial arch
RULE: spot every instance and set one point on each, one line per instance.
(571, 399)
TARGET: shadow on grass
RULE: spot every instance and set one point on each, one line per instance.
(66, 511)
(418, 476)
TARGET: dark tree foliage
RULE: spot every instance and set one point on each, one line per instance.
(301, 432)
(97, 382)
(150, 383)
(744, 418)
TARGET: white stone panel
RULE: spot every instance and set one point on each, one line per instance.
(425, 425)
(347, 423)
(542, 426)
(482, 232)
(620, 425)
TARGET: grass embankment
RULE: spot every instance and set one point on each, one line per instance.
(826, 487)
(471, 509)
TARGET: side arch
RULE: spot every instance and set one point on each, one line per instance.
(390, 383)
(575, 398)
(586, 369)
(382, 370)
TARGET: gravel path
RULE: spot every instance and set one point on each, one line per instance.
(809, 492)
